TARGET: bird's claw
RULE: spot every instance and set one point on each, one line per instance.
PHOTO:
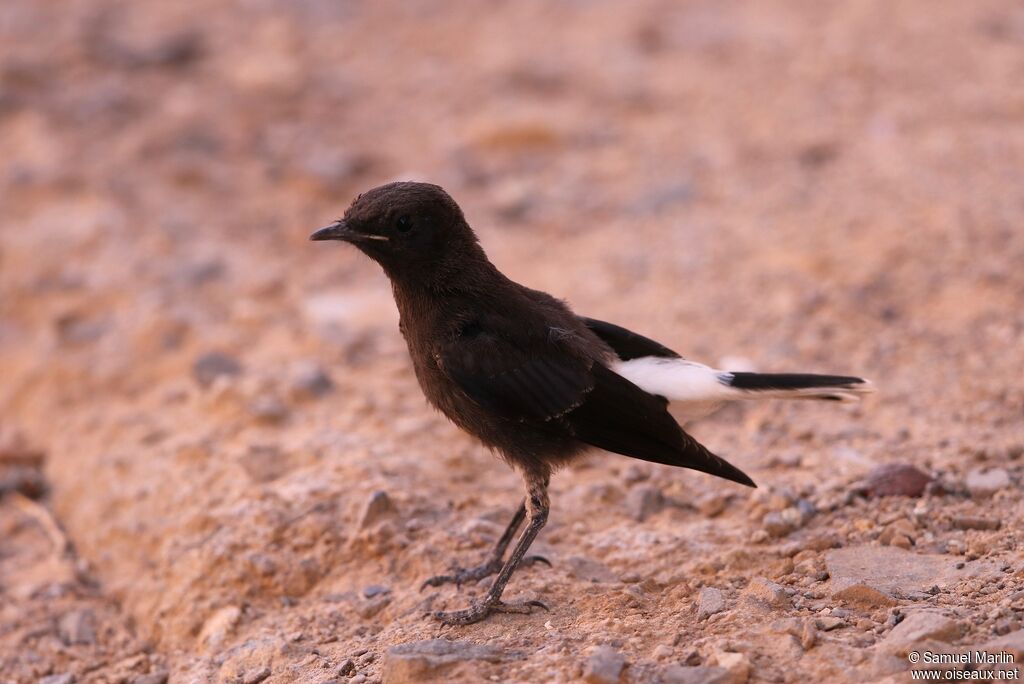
(460, 576)
(478, 611)
(531, 560)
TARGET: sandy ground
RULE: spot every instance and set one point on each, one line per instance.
(198, 406)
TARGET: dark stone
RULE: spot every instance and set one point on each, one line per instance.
(895, 479)
(210, 366)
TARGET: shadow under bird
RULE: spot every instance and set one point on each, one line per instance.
(538, 384)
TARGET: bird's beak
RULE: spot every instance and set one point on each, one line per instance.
(336, 231)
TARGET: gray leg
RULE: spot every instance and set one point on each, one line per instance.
(493, 564)
(537, 506)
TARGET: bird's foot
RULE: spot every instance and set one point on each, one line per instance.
(480, 610)
(459, 576)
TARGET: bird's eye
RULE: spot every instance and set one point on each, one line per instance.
(403, 224)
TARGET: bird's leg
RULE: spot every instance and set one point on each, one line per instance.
(493, 562)
(536, 510)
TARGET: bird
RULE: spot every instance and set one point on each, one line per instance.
(536, 383)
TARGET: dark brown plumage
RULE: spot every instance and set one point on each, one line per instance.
(511, 366)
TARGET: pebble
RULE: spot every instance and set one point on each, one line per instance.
(268, 409)
(219, 625)
(373, 606)
(983, 483)
(765, 593)
(970, 522)
(378, 507)
(699, 674)
(309, 381)
(208, 367)
(736, 664)
(713, 505)
(604, 666)
(827, 623)
(863, 596)
(645, 501)
(711, 601)
(776, 525)
(892, 572)
(64, 678)
(919, 626)
(346, 669)
(662, 651)
(895, 479)
(158, 677)
(77, 627)
(256, 676)
(436, 660)
(808, 635)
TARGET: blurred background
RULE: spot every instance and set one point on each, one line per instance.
(197, 404)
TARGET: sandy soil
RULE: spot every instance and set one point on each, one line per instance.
(198, 406)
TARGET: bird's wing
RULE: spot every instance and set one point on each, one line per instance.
(619, 416)
(627, 344)
(539, 385)
(554, 389)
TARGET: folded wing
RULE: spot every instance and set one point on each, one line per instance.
(555, 390)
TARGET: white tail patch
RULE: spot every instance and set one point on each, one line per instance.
(696, 390)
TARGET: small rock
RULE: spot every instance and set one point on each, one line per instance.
(776, 525)
(895, 573)
(64, 678)
(901, 541)
(662, 651)
(791, 626)
(604, 666)
(900, 533)
(828, 623)
(378, 508)
(309, 381)
(765, 593)
(643, 502)
(256, 676)
(372, 607)
(736, 664)
(375, 590)
(970, 522)
(74, 329)
(713, 505)
(158, 677)
(590, 570)
(269, 409)
(264, 462)
(700, 674)
(711, 601)
(219, 625)
(918, 626)
(437, 660)
(895, 479)
(208, 367)
(808, 635)
(346, 669)
(29, 482)
(77, 627)
(15, 451)
(863, 595)
(983, 483)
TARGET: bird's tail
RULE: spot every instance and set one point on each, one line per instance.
(843, 388)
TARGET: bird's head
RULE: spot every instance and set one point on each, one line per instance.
(413, 230)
